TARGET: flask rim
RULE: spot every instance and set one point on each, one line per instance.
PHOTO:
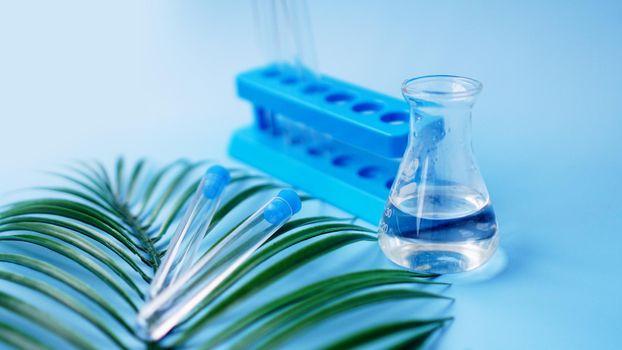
(441, 86)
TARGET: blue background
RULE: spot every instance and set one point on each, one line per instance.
(94, 80)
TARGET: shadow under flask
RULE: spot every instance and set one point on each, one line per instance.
(439, 218)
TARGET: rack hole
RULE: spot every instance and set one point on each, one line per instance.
(315, 89)
(395, 118)
(317, 151)
(340, 98)
(295, 140)
(369, 172)
(367, 107)
(343, 161)
(271, 73)
(289, 81)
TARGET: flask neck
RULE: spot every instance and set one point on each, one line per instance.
(440, 109)
(449, 127)
(439, 161)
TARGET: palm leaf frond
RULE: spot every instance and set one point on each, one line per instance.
(417, 330)
(18, 339)
(99, 238)
(305, 314)
(45, 320)
(68, 280)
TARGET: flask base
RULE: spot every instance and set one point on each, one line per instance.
(434, 257)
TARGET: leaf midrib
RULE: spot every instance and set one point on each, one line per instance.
(140, 233)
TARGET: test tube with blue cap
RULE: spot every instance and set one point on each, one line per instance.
(182, 249)
(161, 314)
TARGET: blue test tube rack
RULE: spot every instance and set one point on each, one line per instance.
(337, 141)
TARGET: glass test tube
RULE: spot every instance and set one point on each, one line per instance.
(285, 36)
(182, 249)
(156, 318)
(300, 23)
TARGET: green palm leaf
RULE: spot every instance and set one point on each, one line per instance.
(44, 320)
(72, 239)
(68, 280)
(138, 168)
(239, 198)
(271, 274)
(281, 328)
(73, 211)
(18, 339)
(69, 302)
(83, 230)
(116, 224)
(328, 289)
(80, 260)
(418, 331)
(88, 232)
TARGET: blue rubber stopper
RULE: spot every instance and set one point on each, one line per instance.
(291, 197)
(284, 205)
(216, 178)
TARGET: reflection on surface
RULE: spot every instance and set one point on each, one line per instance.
(495, 266)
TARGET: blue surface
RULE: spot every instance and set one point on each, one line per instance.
(94, 80)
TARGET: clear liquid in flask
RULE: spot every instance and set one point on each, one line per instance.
(446, 229)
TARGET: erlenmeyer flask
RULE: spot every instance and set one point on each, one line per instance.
(439, 218)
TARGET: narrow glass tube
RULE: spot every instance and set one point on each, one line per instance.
(182, 249)
(305, 58)
(156, 318)
(284, 32)
(266, 29)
